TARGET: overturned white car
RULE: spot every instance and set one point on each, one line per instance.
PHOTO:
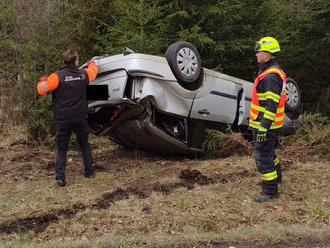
(164, 105)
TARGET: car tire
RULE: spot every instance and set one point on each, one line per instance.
(185, 63)
(293, 100)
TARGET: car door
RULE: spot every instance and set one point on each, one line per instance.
(221, 99)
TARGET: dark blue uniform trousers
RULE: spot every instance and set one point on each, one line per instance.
(63, 134)
(264, 155)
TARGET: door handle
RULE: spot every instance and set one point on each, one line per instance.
(204, 112)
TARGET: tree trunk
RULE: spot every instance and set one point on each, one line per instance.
(327, 97)
(142, 25)
(184, 5)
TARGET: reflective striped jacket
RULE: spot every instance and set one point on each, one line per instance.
(268, 101)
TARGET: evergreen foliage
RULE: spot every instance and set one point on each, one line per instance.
(35, 33)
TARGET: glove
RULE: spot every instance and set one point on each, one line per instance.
(43, 78)
(261, 135)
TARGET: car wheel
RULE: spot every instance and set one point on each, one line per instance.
(293, 100)
(185, 63)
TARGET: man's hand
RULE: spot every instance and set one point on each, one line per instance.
(261, 135)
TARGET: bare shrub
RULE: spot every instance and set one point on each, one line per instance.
(218, 144)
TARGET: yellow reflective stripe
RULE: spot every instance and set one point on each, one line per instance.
(268, 117)
(268, 98)
(272, 98)
(259, 108)
(279, 119)
(256, 125)
(253, 115)
(269, 176)
(270, 93)
(276, 161)
(274, 126)
(262, 97)
(269, 113)
(280, 110)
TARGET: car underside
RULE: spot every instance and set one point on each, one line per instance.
(140, 102)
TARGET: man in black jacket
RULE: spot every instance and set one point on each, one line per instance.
(267, 115)
(68, 87)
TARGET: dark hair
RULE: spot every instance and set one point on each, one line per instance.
(70, 56)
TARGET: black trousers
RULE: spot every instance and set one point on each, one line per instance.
(63, 134)
(265, 156)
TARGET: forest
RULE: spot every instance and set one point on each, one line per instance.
(139, 199)
(35, 33)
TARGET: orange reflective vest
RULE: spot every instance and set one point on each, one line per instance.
(276, 118)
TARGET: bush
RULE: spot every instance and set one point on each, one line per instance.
(220, 145)
(315, 132)
(40, 121)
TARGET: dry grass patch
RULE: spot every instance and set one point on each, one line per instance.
(141, 200)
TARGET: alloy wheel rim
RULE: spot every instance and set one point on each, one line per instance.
(187, 62)
(293, 94)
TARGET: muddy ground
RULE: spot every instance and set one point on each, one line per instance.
(21, 162)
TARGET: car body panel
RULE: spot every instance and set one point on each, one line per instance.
(137, 63)
(146, 108)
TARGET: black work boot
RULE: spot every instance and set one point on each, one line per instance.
(263, 197)
(60, 182)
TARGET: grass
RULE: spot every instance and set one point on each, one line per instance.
(216, 213)
(314, 134)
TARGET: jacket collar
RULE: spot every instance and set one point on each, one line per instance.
(268, 64)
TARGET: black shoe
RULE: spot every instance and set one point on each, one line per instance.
(263, 197)
(90, 175)
(60, 182)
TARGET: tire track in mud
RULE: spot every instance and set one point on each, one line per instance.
(189, 178)
(39, 223)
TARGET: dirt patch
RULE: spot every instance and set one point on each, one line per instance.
(194, 176)
(167, 188)
(147, 209)
(99, 168)
(142, 191)
(70, 212)
(189, 179)
(109, 198)
(39, 223)
(35, 223)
